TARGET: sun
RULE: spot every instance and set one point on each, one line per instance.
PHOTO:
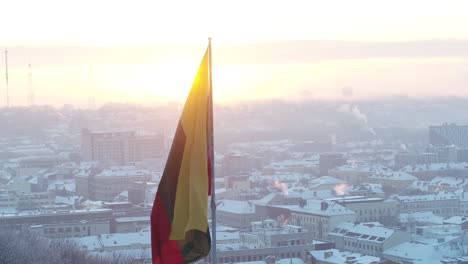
(170, 79)
(165, 80)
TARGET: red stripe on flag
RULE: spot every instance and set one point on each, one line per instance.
(163, 250)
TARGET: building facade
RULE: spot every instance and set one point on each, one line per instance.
(405, 159)
(393, 181)
(270, 234)
(120, 148)
(444, 203)
(319, 217)
(449, 134)
(238, 214)
(71, 229)
(328, 161)
(371, 209)
(107, 184)
(366, 239)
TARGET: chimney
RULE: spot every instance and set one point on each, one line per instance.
(323, 206)
(350, 260)
(327, 254)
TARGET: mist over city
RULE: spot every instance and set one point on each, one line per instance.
(85, 179)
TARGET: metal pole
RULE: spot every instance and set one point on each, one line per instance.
(213, 189)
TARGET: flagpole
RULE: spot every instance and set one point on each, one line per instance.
(214, 260)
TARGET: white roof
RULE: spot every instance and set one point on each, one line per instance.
(132, 219)
(448, 181)
(340, 257)
(394, 175)
(66, 200)
(326, 180)
(360, 167)
(419, 253)
(314, 207)
(281, 261)
(123, 239)
(435, 167)
(420, 217)
(293, 163)
(427, 197)
(419, 185)
(311, 194)
(290, 261)
(49, 212)
(363, 231)
(265, 200)
(106, 241)
(456, 220)
(122, 171)
(227, 235)
(237, 207)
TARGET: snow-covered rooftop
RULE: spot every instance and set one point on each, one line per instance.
(335, 256)
(420, 217)
(394, 175)
(445, 181)
(122, 171)
(320, 207)
(132, 219)
(435, 167)
(237, 207)
(456, 220)
(117, 240)
(363, 231)
(326, 180)
(420, 253)
(427, 197)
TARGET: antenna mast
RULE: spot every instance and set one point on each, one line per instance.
(6, 79)
(31, 92)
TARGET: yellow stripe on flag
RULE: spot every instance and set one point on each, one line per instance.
(191, 202)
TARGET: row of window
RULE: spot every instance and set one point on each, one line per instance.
(370, 211)
(257, 257)
(363, 246)
(52, 230)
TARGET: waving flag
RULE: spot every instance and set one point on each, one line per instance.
(179, 220)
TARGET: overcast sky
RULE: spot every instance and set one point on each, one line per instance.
(145, 51)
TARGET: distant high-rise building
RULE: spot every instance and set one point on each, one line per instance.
(445, 153)
(137, 191)
(404, 159)
(328, 161)
(448, 134)
(120, 147)
(462, 155)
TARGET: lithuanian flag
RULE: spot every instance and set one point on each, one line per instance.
(179, 219)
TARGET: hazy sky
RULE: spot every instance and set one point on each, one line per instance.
(144, 51)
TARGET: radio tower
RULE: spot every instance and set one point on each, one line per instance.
(6, 79)
(31, 92)
(91, 103)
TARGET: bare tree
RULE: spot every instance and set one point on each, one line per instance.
(17, 249)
